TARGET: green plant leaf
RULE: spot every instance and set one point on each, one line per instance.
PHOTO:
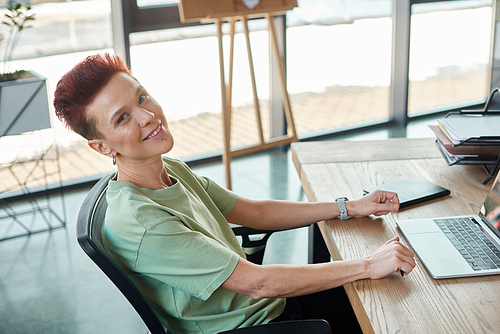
(16, 21)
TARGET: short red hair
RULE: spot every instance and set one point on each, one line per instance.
(77, 89)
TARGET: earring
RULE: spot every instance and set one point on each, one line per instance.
(114, 159)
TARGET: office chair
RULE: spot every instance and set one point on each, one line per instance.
(89, 228)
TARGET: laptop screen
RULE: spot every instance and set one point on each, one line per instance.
(491, 206)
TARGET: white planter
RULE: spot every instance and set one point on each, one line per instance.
(24, 105)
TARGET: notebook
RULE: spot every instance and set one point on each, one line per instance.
(412, 191)
(459, 246)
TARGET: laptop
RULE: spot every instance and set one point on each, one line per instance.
(459, 246)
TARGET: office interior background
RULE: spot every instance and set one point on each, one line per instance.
(339, 60)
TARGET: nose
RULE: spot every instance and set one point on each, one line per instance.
(145, 117)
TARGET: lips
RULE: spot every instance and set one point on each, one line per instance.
(155, 133)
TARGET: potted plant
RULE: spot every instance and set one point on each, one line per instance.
(24, 103)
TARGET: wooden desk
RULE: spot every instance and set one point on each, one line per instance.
(416, 303)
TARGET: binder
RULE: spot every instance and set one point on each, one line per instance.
(466, 159)
(470, 149)
(479, 140)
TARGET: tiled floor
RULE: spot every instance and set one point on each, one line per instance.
(48, 285)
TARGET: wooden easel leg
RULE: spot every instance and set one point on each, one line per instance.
(229, 88)
(226, 112)
(282, 76)
(254, 85)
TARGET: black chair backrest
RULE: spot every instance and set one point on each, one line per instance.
(89, 227)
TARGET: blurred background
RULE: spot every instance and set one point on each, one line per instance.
(338, 59)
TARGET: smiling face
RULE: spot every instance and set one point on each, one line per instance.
(132, 122)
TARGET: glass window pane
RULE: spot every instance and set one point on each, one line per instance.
(339, 61)
(64, 27)
(449, 55)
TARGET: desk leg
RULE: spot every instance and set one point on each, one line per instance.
(318, 252)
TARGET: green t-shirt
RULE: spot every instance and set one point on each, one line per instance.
(177, 246)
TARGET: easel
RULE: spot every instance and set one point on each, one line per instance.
(218, 12)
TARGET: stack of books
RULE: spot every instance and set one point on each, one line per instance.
(469, 138)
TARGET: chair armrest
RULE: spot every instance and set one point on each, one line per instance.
(254, 242)
(286, 327)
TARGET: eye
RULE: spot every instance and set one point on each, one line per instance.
(142, 98)
(121, 118)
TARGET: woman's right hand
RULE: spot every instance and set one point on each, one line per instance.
(392, 257)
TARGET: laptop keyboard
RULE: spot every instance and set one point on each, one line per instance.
(469, 239)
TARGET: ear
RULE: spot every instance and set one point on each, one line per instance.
(100, 147)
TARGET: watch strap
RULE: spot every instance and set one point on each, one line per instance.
(342, 208)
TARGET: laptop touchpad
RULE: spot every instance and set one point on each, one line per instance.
(412, 226)
(438, 254)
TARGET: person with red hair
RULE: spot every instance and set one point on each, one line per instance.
(79, 86)
(168, 226)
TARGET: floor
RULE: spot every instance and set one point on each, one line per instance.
(48, 285)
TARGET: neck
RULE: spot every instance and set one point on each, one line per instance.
(150, 174)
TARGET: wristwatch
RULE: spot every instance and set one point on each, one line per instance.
(342, 208)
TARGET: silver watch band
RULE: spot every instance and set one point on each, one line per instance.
(342, 208)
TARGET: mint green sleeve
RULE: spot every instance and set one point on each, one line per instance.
(185, 259)
(224, 199)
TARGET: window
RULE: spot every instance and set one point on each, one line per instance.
(339, 63)
(449, 55)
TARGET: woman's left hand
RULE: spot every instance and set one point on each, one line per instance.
(377, 203)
